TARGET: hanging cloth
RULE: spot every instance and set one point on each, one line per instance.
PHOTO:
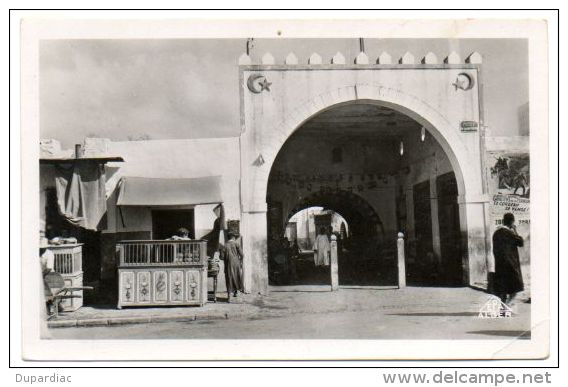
(216, 238)
(81, 196)
(220, 213)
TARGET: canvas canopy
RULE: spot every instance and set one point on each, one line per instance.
(144, 191)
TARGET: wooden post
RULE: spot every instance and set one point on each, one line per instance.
(120, 254)
(401, 266)
(333, 262)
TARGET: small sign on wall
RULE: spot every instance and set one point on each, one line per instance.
(469, 126)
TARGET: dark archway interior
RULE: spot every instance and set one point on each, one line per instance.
(362, 218)
(381, 171)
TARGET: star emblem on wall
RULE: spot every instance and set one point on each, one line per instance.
(265, 85)
(257, 83)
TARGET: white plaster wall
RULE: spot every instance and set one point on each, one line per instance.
(296, 95)
(509, 144)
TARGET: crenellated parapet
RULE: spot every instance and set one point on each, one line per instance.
(362, 58)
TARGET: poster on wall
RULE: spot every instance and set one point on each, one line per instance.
(509, 187)
(509, 174)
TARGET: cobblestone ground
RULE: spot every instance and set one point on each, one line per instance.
(411, 313)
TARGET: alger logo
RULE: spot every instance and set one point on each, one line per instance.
(495, 308)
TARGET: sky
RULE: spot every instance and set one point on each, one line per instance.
(188, 88)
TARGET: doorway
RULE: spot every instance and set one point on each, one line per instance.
(165, 223)
(450, 234)
(423, 270)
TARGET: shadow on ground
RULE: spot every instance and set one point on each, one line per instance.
(434, 314)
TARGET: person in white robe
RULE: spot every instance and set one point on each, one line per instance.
(322, 249)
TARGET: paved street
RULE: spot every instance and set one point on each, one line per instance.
(412, 313)
(344, 325)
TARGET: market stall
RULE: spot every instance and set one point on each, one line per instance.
(158, 272)
(166, 269)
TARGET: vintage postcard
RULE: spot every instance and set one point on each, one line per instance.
(285, 189)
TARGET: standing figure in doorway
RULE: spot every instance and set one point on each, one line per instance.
(508, 280)
(322, 249)
(232, 254)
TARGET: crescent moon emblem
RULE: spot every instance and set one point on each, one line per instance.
(253, 83)
(464, 82)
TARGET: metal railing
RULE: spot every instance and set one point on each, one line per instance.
(67, 259)
(162, 252)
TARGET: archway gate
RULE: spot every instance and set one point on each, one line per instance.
(444, 98)
(349, 205)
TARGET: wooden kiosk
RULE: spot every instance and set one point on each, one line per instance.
(162, 272)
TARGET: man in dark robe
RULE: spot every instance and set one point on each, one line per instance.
(232, 254)
(508, 280)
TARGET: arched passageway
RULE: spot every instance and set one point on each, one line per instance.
(362, 217)
(382, 170)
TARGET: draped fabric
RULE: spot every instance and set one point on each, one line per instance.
(216, 238)
(81, 196)
(220, 212)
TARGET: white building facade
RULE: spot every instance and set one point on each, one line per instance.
(393, 145)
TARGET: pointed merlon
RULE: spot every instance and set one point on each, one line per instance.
(453, 58)
(315, 59)
(384, 58)
(407, 58)
(362, 58)
(268, 59)
(474, 58)
(338, 58)
(291, 59)
(430, 58)
(244, 60)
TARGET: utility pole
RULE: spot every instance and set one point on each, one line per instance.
(361, 45)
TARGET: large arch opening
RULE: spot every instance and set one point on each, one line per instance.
(386, 173)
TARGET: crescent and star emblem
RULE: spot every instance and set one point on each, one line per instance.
(463, 82)
(257, 83)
